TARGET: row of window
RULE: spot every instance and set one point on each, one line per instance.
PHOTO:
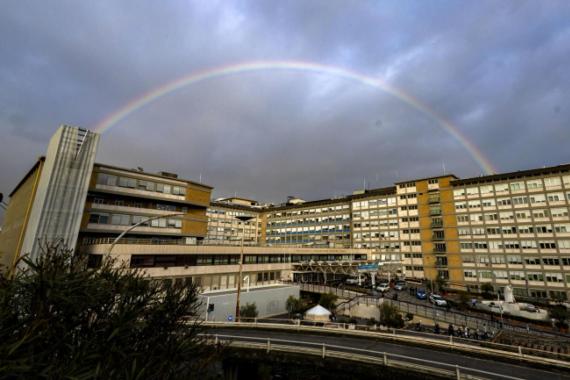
(139, 204)
(559, 228)
(514, 201)
(516, 260)
(517, 275)
(131, 220)
(509, 215)
(515, 244)
(133, 183)
(308, 211)
(305, 221)
(535, 184)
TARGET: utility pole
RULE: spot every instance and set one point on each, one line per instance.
(243, 218)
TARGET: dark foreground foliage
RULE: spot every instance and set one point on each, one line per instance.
(60, 320)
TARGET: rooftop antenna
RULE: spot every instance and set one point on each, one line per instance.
(200, 178)
(443, 166)
(364, 183)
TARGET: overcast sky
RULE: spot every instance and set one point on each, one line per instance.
(498, 70)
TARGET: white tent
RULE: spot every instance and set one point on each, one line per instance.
(318, 314)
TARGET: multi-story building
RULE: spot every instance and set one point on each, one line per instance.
(48, 202)
(514, 229)
(162, 221)
(323, 223)
(224, 227)
(506, 229)
(166, 209)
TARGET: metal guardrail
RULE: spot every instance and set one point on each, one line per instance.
(355, 354)
(408, 337)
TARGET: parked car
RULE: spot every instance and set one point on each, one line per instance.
(531, 308)
(383, 287)
(437, 300)
(351, 281)
(421, 294)
(400, 285)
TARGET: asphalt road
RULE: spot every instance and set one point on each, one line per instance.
(453, 358)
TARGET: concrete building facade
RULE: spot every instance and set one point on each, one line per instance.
(506, 229)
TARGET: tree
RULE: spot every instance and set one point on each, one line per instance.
(294, 305)
(328, 301)
(60, 319)
(440, 283)
(390, 316)
(560, 313)
(248, 311)
(487, 289)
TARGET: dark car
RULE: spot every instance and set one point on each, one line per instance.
(421, 294)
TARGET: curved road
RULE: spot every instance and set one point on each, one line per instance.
(504, 368)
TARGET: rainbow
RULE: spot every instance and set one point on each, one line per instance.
(222, 71)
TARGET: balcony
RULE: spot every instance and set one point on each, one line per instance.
(432, 200)
(437, 237)
(434, 212)
(436, 225)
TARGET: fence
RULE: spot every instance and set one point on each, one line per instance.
(404, 336)
(355, 354)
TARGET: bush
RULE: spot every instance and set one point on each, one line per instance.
(59, 319)
(487, 290)
(328, 300)
(390, 316)
(248, 311)
(560, 314)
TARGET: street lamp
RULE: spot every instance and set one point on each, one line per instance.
(126, 231)
(243, 218)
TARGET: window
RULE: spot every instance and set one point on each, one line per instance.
(120, 219)
(547, 245)
(99, 218)
(106, 179)
(472, 191)
(501, 187)
(550, 261)
(552, 182)
(532, 261)
(534, 184)
(459, 193)
(514, 259)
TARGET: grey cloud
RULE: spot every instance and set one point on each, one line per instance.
(498, 71)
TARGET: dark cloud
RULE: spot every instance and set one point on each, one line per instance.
(496, 70)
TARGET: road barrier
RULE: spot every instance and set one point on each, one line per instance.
(355, 354)
(410, 337)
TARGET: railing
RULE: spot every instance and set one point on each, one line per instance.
(341, 293)
(406, 336)
(428, 311)
(354, 354)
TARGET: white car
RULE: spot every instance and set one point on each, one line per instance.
(400, 285)
(437, 300)
(351, 281)
(383, 287)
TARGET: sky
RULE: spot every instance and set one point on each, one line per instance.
(498, 71)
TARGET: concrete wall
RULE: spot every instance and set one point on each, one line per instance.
(270, 301)
(16, 218)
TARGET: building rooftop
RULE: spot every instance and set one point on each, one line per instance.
(513, 175)
(164, 175)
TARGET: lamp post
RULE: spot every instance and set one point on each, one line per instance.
(243, 218)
